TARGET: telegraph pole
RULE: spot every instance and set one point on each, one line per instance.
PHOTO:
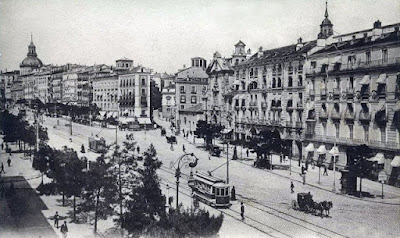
(227, 162)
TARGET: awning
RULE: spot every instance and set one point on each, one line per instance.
(379, 157)
(102, 113)
(123, 120)
(144, 120)
(381, 79)
(227, 131)
(310, 147)
(334, 151)
(395, 162)
(366, 80)
(321, 150)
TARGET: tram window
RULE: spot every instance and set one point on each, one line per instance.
(213, 190)
(222, 192)
(217, 192)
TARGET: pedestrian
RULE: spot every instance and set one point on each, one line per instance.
(2, 168)
(64, 229)
(291, 187)
(302, 169)
(138, 149)
(9, 162)
(209, 157)
(325, 171)
(56, 219)
(183, 148)
(247, 152)
(242, 210)
(233, 194)
(304, 179)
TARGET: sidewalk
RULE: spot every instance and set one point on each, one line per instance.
(391, 193)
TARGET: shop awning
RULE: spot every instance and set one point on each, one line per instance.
(395, 162)
(310, 147)
(123, 120)
(334, 151)
(379, 158)
(144, 120)
(366, 80)
(102, 113)
(381, 79)
(321, 150)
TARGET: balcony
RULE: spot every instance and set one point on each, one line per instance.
(358, 66)
(350, 93)
(243, 108)
(323, 114)
(335, 115)
(323, 94)
(336, 93)
(289, 106)
(364, 117)
(264, 105)
(349, 115)
(237, 108)
(298, 124)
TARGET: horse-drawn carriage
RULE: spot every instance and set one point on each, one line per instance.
(306, 203)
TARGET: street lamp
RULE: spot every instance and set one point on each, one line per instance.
(321, 151)
(186, 159)
(334, 152)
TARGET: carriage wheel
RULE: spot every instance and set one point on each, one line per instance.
(294, 204)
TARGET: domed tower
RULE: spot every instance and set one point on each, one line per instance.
(326, 26)
(31, 62)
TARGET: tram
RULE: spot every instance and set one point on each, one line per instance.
(97, 144)
(210, 190)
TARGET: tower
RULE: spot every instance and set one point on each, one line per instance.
(326, 25)
(31, 62)
(239, 54)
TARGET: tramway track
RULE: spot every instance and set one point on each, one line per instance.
(303, 224)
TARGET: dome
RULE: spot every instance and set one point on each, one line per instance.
(326, 21)
(31, 61)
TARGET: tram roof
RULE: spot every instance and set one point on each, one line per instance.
(207, 178)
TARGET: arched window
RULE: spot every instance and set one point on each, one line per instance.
(273, 83)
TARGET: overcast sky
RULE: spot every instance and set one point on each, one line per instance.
(164, 34)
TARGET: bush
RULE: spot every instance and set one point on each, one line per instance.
(47, 189)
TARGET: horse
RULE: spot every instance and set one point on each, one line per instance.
(327, 205)
(318, 207)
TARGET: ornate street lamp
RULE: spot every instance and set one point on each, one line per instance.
(334, 152)
(188, 159)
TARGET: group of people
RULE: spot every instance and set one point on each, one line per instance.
(63, 228)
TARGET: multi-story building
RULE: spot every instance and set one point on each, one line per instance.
(70, 87)
(6, 80)
(352, 86)
(134, 96)
(42, 83)
(168, 102)
(191, 87)
(105, 94)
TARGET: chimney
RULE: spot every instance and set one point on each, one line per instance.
(260, 52)
(249, 51)
(299, 44)
(377, 31)
(377, 24)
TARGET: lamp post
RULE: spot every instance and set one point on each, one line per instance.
(334, 152)
(191, 160)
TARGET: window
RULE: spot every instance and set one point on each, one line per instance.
(243, 102)
(351, 85)
(337, 83)
(273, 83)
(383, 134)
(182, 107)
(193, 89)
(351, 131)
(182, 89)
(366, 133)
(337, 127)
(279, 82)
(290, 83)
(323, 128)
(183, 99)
(368, 57)
(193, 99)
(143, 82)
(384, 56)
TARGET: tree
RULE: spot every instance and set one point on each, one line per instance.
(358, 163)
(41, 159)
(264, 144)
(146, 203)
(186, 223)
(208, 132)
(100, 190)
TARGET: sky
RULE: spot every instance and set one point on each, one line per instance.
(165, 35)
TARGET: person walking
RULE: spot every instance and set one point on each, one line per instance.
(233, 194)
(291, 187)
(64, 229)
(9, 162)
(242, 210)
(138, 149)
(2, 168)
(56, 219)
(325, 171)
(183, 148)
(247, 153)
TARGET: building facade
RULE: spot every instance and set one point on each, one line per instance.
(352, 85)
(190, 90)
(168, 103)
(105, 93)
